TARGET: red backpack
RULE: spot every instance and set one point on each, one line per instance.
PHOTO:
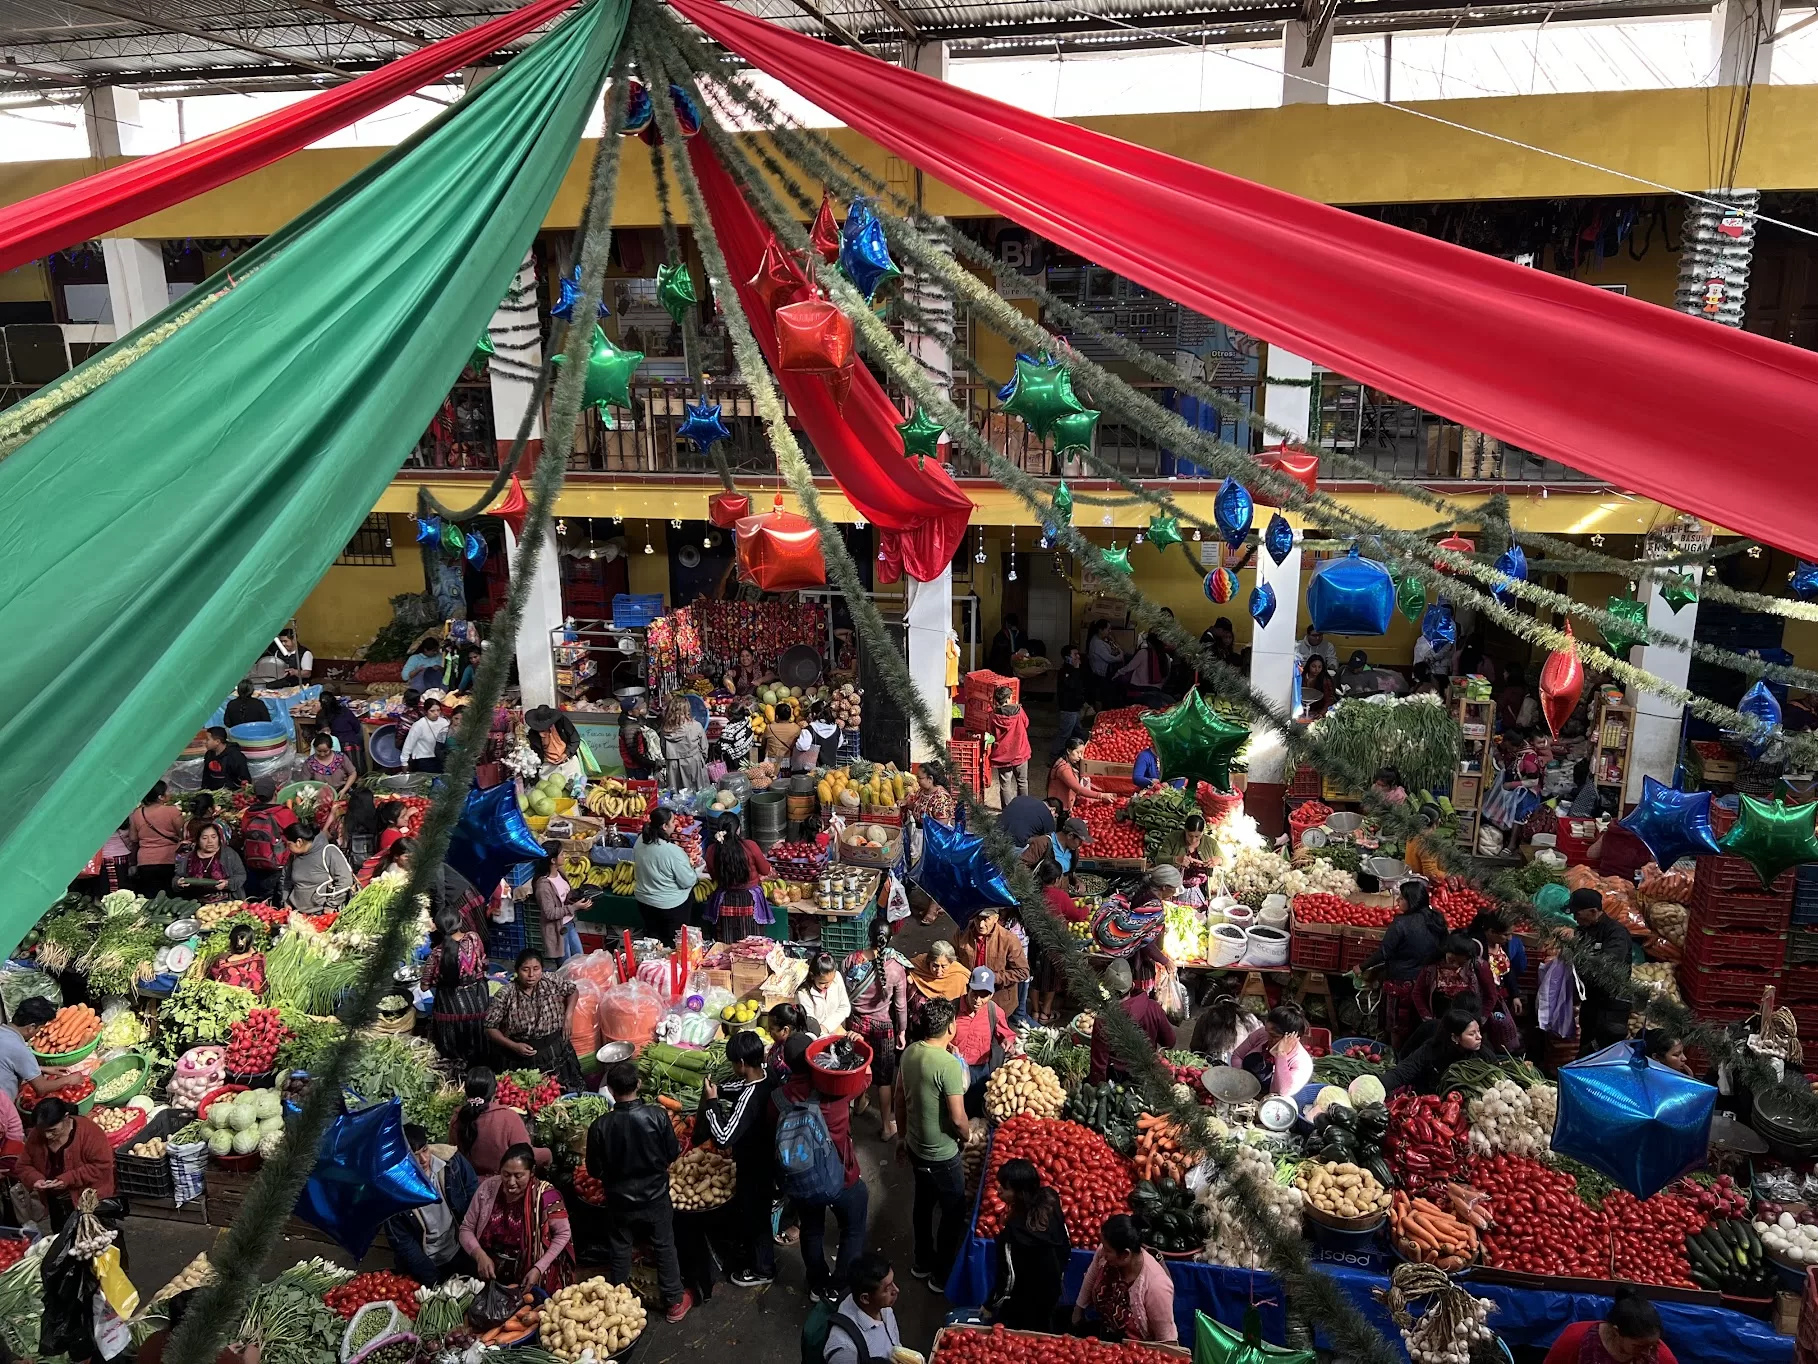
(262, 843)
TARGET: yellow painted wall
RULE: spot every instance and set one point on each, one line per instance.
(27, 284)
(648, 574)
(353, 602)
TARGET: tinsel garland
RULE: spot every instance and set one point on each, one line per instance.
(1315, 1296)
(1397, 821)
(812, 148)
(260, 1224)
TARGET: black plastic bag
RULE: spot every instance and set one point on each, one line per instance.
(68, 1324)
(495, 1304)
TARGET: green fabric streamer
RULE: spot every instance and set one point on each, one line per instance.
(162, 528)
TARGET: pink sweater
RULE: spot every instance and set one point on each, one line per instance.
(1292, 1072)
(1151, 1299)
(479, 1213)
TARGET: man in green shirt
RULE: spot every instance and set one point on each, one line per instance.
(931, 1114)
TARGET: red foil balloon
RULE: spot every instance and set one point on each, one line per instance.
(825, 234)
(781, 552)
(1302, 468)
(839, 384)
(1561, 683)
(513, 508)
(813, 337)
(778, 280)
(726, 509)
(1458, 544)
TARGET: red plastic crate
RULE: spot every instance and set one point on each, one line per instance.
(1806, 1015)
(1729, 910)
(1801, 985)
(1716, 874)
(1316, 951)
(1728, 947)
(1710, 986)
(1305, 785)
(967, 757)
(1356, 947)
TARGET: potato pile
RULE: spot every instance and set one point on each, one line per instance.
(198, 1273)
(701, 1179)
(1345, 1190)
(591, 1316)
(155, 1149)
(1022, 1086)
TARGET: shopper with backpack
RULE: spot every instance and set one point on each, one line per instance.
(931, 1114)
(817, 1170)
(629, 1150)
(265, 831)
(862, 1329)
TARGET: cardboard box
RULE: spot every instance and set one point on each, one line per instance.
(748, 978)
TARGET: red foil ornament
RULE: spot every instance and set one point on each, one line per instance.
(1561, 683)
(813, 337)
(726, 509)
(778, 280)
(781, 552)
(1302, 468)
(825, 234)
(1458, 544)
(513, 508)
(839, 384)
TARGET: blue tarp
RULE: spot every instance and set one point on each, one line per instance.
(279, 706)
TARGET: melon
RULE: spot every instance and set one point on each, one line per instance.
(877, 833)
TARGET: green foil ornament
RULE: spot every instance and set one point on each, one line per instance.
(1043, 395)
(1164, 531)
(1063, 503)
(482, 353)
(454, 539)
(675, 291)
(1771, 838)
(609, 372)
(1196, 742)
(1073, 431)
(921, 436)
(1411, 597)
(1619, 642)
(1216, 1343)
(1680, 591)
(1115, 558)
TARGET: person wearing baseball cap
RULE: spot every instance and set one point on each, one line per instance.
(982, 1035)
(985, 941)
(1061, 847)
(1603, 1017)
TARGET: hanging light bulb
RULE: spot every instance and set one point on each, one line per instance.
(1197, 537)
(1105, 520)
(618, 520)
(860, 523)
(648, 547)
(1139, 538)
(706, 542)
(979, 558)
(675, 523)
(1042, 543)
(1010, 576)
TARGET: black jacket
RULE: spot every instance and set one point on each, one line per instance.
(630, 1150)
(246, 710)
(1609, 942)
(1412, 940)
(1070, 689)
(226, 768)
(1425, 1066)
(738, 1120)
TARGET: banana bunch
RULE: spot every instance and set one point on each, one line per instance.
(700, 891)
(613, 799)
(577, 869)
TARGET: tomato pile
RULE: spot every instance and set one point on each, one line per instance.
(1309, 814)
(972, 1345)
(1093, 1181)
(587, 1188)
(11, 1252)
(1429, 1138)
(378, 1286)
(1322, 907)
(73, 1093)
(1459, 903)
(1112, 835)
(253, 1042)
(1648, 1238)
(1118, 735)
(272, 916)
(1540, 1226)
(513, 1094)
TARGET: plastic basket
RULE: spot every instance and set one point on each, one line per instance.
(1800, 985)
(1316, 951)
(841, 1083)
(1305, 785)
(1727, 910)
(120, 1065)
(69, 1058)
(1705, 986)
(1715, 874)
(1356, 947)
(1728, 947)
(849, 934)
(147, 1176)
(967, 757)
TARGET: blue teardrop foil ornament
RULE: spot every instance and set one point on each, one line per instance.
(1233, 511)
(474, 550)
(1439, 627)
(1805, 580)
(1278, 539)
(1351, 596)
(1512, 563)
(1262, 603)
(864, 253)
(1759, 703)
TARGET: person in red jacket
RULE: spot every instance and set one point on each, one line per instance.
(1009, 746)
(65, 1153)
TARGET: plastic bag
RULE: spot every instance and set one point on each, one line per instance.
(115, 1286)
(629, 1013)
(494, 1304)
(67, 1325)
(584, 1022)
(20, 983)
(716, 999)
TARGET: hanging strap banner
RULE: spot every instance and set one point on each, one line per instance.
(96, 204)
(1701, 417)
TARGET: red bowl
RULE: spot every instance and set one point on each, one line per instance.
(841, 1084)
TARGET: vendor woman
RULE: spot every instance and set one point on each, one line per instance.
(211, 871)
(240, 965)
(1126, 1288)
(517, 1228)
(553, 738)
(1275, 1054)
(738, 868)
(527, 1022)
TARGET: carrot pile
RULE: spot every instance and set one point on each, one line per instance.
(1424, 1231)
(74, 1026)
(1158, 1149)
(515, 1327)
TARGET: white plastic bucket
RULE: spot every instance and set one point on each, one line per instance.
(1266, 947)
(1227, 945)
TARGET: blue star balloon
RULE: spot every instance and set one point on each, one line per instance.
(1805, 580)
(570, 286)
(1512, 563)
(1760, 704)
(1673, 823)
(429, 531)
(1351, 596)
(1262, 603)
(364, 1174)
(473, 549)
(1003, 394)
(1278, 539)
(1439, 627)
(703, 425)
(1233, 511)
(957, 874)
(864, 252)
(492, 837)
(1635, 1120)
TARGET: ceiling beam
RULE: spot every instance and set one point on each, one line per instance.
(833, 26)
(359, 21)
(895, 11)
(56, 78)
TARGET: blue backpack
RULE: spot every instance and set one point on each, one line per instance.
(808, 1164)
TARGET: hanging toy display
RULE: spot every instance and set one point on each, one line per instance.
(1164, 531)
(1512, 563)
(703, 425)
(1619, 642)
(1673, 823)
(513, 508)
(1761, 705)
(1638, 1121)
(1194, 741)
(813, 337)
(825, 233)
(1561, 684)
(1303, 468)
(1040, 395)
(675, 290)
(780, 551)
(1262, 604)
(569, 295)
(1351, 596)
(1221, 586)
(1278, 539)
(864, 253)
(1772, 837)
(1411, 597)
(921, 437)
(1232, 511)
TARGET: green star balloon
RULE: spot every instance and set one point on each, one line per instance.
(481, 354)
(1073, 431)
(1063, 503)
(1043, 394)
(1771, 838)
(675, 290)
(1164, 531)
(1115, 558)
(1619, 642)
(1680, 591)
(1411, 597)
(1196, 742)
(921, 436)
(609, 372)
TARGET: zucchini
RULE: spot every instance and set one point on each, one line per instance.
(1703, 1280)
(1756, 1252)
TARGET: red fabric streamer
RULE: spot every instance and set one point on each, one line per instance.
(95, 204)
(1549, 364)
(921, 513)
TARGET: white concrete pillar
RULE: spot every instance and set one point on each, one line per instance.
(137, 290)
(1742, 41)
(930, 59)
(1654, 751)
(1304, 82)
(111, 115)
(928, 616)
(1287, 406)
(514, 324)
